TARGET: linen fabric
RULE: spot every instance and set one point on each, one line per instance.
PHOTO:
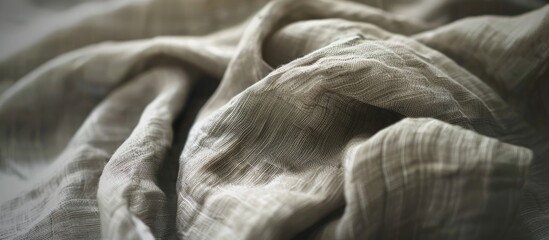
(313, 119)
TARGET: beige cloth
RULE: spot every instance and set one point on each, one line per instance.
(311, 119)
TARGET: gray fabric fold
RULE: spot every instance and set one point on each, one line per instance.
(312, 119)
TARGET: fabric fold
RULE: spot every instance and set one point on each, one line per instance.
(313, 119)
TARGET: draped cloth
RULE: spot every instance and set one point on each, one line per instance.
(312, 119)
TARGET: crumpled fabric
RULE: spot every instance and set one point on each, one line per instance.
(312, 119)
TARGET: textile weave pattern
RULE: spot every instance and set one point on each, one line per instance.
(311, 119)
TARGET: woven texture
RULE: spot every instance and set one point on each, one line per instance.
(312, 119)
